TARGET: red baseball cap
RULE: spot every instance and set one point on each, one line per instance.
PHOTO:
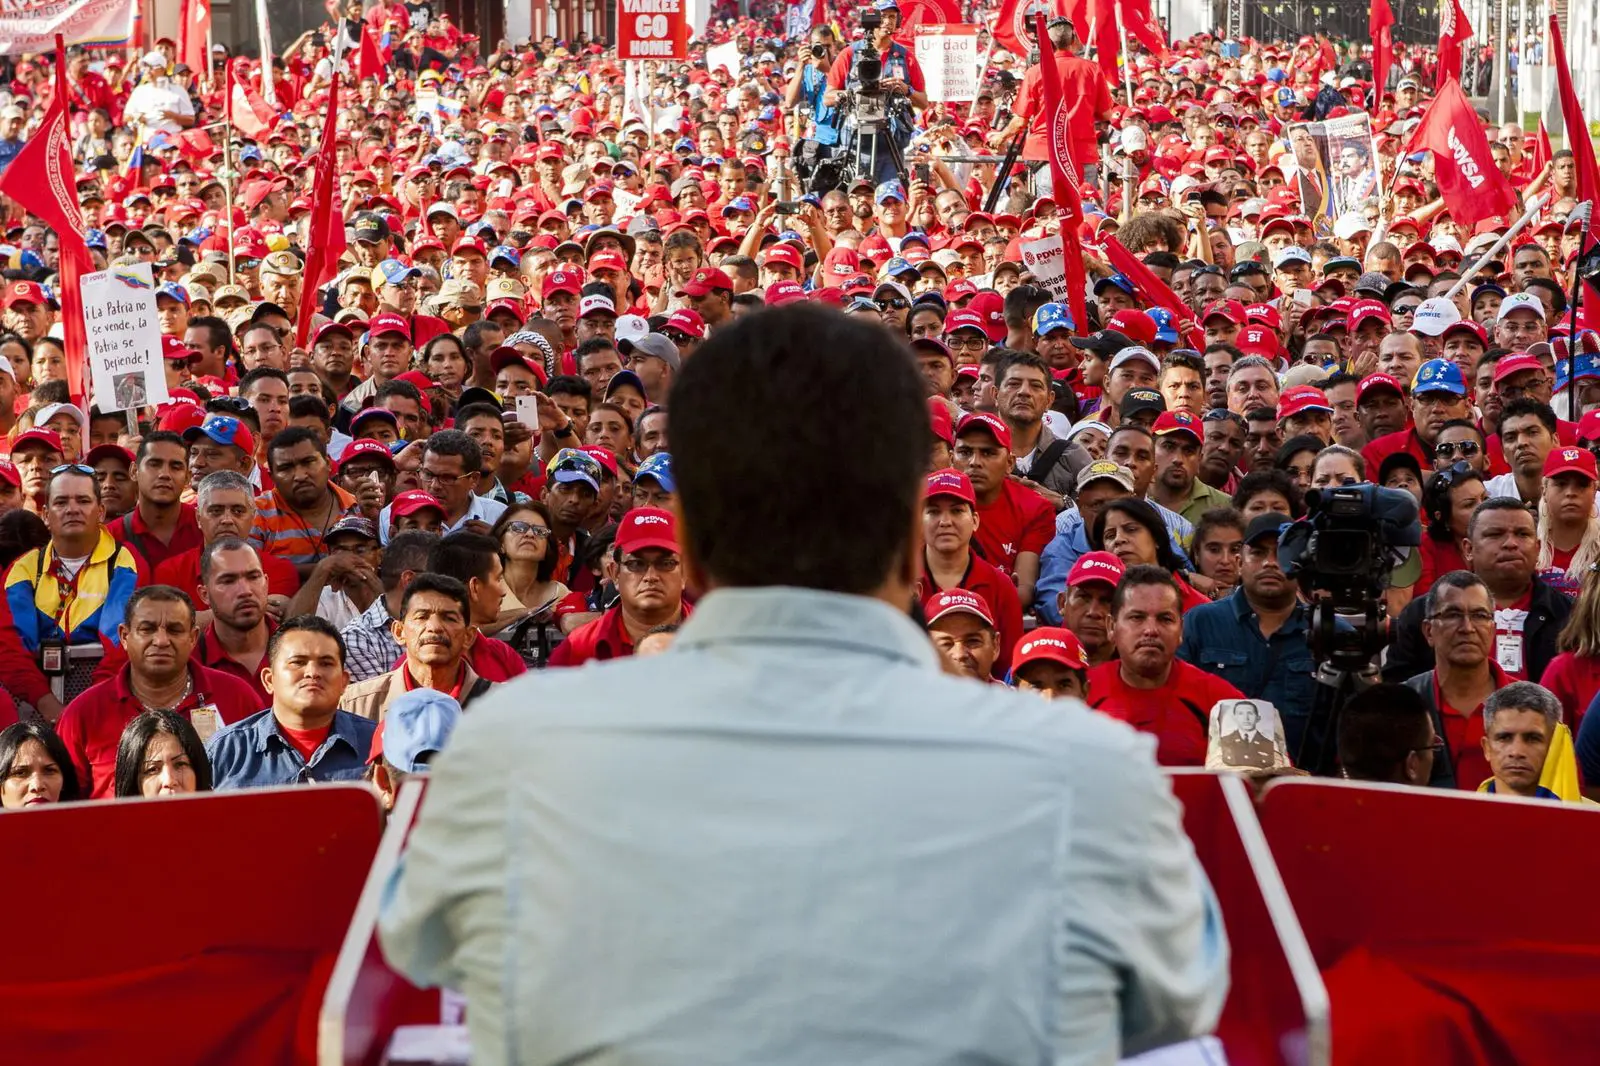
(608, 260)
(1050, 644)
(561, 281)
(366, 446)
(841, 262)
(957, 601)
(108, 451)
(1589, 426)
(388, 323)
(1378, 381)
(992, 306)
(407, 504)
(1137, 326)
(30, 292)
(686, 321)
(48, 437)
(1466, 325)
(506, 355)
(965, 319)
(1232, 310)
(1258, 340)
(1096, 566)
(1302, 398)
(1570, 461)
(786, 254)
(1179, 422)
(1365, 310)
(1515, 364)
(10, 475)
(647, 527)
(987, 422)
(782, 292)
(174, 349)
(705, 281)
(953, 483)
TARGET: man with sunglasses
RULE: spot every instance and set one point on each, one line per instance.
(1461, 441)
(647, 570)
(82, 567)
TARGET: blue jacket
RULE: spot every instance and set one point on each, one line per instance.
(252, 753)
(1224, 638)
(1072, 540)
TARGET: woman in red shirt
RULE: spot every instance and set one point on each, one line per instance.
(1132, 530)
(1574, 675)
(1447, 504)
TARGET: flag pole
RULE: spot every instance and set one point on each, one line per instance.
(1127, 67)
(983, 72)
(1534, 205)
(230, 80)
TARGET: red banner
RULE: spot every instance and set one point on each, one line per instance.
(32, 25)
(1011, 22)
(1578, 139)
(652, 29)
(1065, 179)
(325, 242)
(193, 48)
(1472, 186)
(1382, 48)
(1454, 31)
(1152, 290)
(914, 13)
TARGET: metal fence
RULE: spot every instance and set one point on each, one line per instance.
(1416, 21)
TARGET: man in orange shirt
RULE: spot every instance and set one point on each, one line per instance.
(1084, 92)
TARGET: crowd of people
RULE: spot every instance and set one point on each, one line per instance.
(311, 561)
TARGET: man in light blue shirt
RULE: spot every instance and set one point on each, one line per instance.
(790, 839)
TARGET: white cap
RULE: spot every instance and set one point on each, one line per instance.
(5, 368)
(50, 410)
(1128, 355)
(1443, 242)
(631, 327)
(596, 302)
(1522, 301)
(1350, 224)
(1292, 254)
(1434, 316)
(154, 59)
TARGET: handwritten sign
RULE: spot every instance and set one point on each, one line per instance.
(119, 317)
(948, 55)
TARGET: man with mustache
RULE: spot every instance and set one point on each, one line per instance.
(434, 628)
(233, 585)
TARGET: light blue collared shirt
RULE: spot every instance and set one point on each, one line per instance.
(791, 840)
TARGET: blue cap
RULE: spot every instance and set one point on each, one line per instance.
(917, 236)
(890, 190)
(394, 271)
(250, 151)
(172, 290)
(506, 252)
(95, 238)
(1051, 317)
(1439, 375)
(1286, 97)
(768, 114)
(224, 430)
(1588, 366)
(684, 145)
(1121, 281)
(658, 466)
(571, 465)
(897, 265)
(740, 203)
(478, 229)
(1166, 332)
(885, 5)
(1276, 74)
(622, 378)
(419, 722)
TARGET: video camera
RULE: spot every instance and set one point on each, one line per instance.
(1342, 555)
(869, 104)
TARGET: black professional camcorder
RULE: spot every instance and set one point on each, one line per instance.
(1342, 553)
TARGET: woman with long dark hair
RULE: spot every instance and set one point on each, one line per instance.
(35, 768)
(161, 755)
(1131, 530)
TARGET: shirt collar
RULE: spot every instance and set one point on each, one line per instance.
(790, 616)
(266, 733)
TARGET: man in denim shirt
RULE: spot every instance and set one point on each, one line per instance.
(789, 839)
(303, 736)
(1255, 638)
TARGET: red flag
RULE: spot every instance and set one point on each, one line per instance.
(1472, 186)
(1102, 34)
(1542, 152)
(196, 145)
(247, 111)
(192, 46)
(1454, 31)
(914, 13)
(1154, 291)
(1578, 141)
(1382, 48)
(41, 179)
(1589, 307)
(1011, 22)
(370, 64)
(1141, 24)
(325, 242)
(1066, 177)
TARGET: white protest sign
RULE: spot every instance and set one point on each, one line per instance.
(725, 56)
(1045, 260)
(948, 55)
(119, 316)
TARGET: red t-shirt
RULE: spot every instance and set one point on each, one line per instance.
(305, 741)
(1574, 679)
(1405, 440)
(1439, 557)
(1019, 520)
(182, 572)
(1083, 90)
(1178, 714)
(131, 529)
(1463, 733)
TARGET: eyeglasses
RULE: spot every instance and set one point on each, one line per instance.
(1464, 448)
(527, 529)
(75, 468)
(1455, 616)
(1219, 414)
(1437, 746)
(443, 480)
(667, 564)
(893, 303)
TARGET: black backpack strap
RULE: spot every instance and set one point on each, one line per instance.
(1047, 461)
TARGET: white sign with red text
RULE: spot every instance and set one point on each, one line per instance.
(948, 55)
(1046, 261)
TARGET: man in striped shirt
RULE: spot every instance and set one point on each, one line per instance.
(292, 521)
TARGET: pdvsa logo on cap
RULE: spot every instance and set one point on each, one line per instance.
(649, 520)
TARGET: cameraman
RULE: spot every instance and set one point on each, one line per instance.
(810, 83)
(901, 81)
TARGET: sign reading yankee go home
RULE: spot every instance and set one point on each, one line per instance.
(652, 29)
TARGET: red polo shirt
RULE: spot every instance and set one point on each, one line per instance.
(1463, 732)
(182, 572)
(1178, 714)
(210, 653)
(1019, 520)
(91, 726)
(132, 530)
(604, 638)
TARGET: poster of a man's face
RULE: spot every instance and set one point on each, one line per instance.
(1246, 735)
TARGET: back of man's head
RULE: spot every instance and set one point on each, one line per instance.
(1378, 729)
(771, 491)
